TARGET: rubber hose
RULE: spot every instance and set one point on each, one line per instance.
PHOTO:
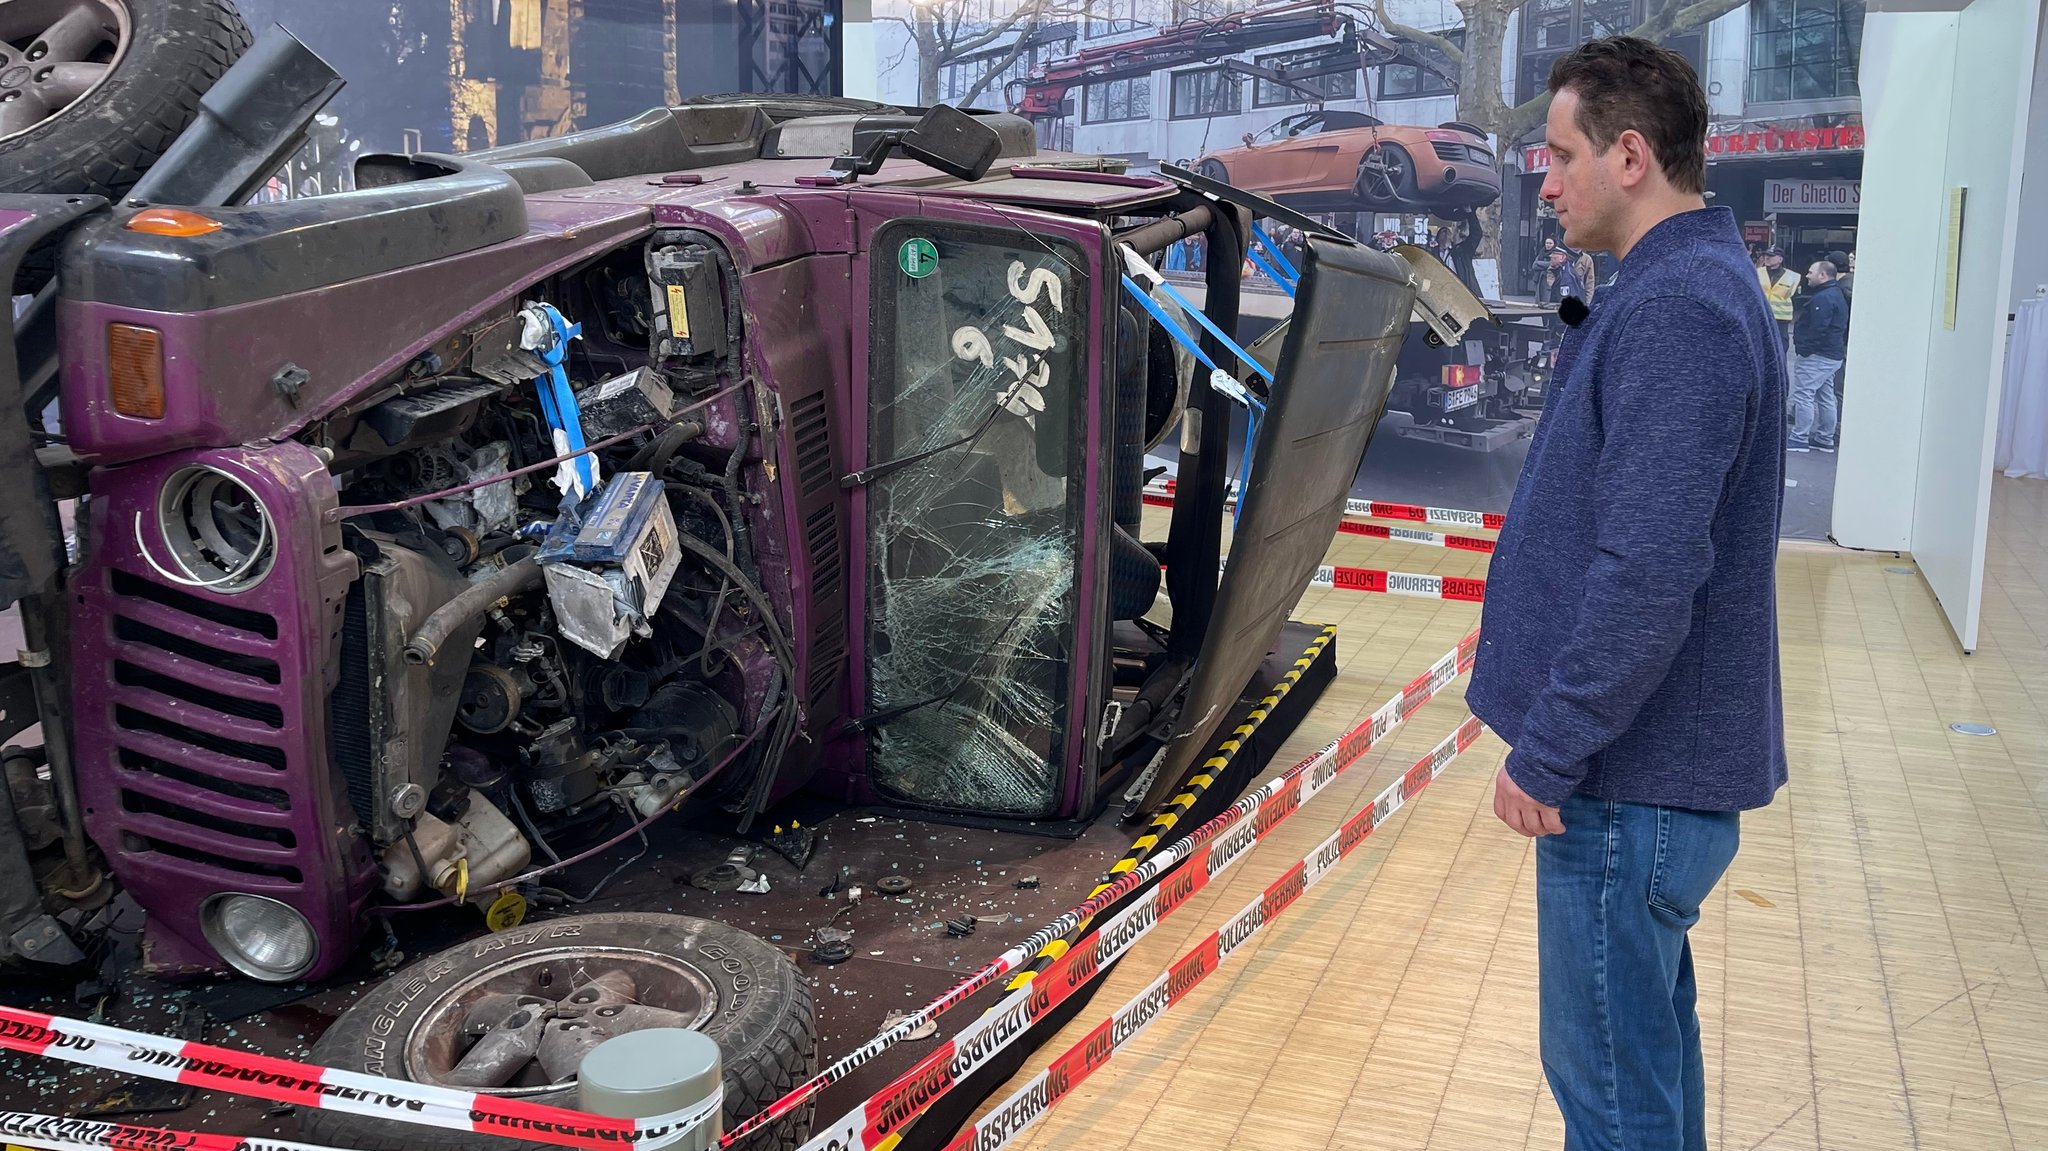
(470, 603)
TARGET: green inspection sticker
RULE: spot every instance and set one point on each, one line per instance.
(918, 257)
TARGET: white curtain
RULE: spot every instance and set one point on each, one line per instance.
(2023, 411)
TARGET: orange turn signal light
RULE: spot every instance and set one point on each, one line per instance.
(172, 222)
(135, 370)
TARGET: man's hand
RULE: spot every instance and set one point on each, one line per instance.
(1517, 810)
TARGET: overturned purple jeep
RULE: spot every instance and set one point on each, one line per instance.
(422, 534)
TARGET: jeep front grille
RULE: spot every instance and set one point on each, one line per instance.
(198, 732)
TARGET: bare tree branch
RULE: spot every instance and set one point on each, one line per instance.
(896, 61)
(1443, 44)
(1029, 10)
(1525, 116)
(1675, 19)
(1000, 66)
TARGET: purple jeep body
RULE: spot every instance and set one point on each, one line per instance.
(200, 780)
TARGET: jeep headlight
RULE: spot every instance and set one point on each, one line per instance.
(215, 531)
(260, 937)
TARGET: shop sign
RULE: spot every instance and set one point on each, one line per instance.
(1813, 195)
(1756, 232)
(1768, 142)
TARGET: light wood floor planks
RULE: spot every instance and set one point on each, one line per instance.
(1871, 970)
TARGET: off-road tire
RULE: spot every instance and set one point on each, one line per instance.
(103, 143)
(768, 1043)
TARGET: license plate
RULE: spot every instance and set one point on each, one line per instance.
(1455, 398)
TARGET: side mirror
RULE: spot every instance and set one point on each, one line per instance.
(953, 142)
(1248, 141)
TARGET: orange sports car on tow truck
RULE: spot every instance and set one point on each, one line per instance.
(1338, 161)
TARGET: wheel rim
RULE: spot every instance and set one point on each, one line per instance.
(54, 53)
(1382, 172)
(576, 992)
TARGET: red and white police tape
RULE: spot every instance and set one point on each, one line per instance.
(1466, 589)
(1351, 527)
(1160, 495)
(1220, 842)
(1029, 1103)
(1212, 848)
(331, 1089)
(56, 1133)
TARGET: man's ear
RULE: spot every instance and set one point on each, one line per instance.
(1637, 158)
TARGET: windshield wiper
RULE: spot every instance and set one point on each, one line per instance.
(889, 467)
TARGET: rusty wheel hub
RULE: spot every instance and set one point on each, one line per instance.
(526, 1026)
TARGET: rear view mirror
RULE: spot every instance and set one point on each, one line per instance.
(953, 142)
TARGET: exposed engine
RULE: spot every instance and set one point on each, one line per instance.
(525, 660)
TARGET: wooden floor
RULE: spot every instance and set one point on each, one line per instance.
(1870, 973)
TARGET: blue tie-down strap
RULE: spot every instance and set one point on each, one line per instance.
(1135, 266)
(1219, 379)
(557, 402)
(1281, 269)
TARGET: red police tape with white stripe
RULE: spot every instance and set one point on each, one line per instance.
(1161, 495)
(876, 1125)
(56, 1133)
(1029, 1103)
(307, 1085)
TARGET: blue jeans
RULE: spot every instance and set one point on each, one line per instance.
(1615, 896)
(1814, 408)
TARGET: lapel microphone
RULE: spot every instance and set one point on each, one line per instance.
(1573, 311)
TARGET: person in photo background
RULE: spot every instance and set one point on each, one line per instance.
(1583, 267)
(1822, 337)
(1780, 284)
(1544, 274)
(1845, 279)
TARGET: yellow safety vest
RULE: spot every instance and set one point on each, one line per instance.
(1780, 293)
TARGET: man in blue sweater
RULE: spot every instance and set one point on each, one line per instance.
(1629, 653)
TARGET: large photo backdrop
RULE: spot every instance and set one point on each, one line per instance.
(458, 75)
(1419, 121)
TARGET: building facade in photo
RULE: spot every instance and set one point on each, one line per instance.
(1785, 151)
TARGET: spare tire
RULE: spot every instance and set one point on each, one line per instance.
(728, 984)
(99, 88)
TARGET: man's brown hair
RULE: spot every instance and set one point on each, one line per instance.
(1626, 82)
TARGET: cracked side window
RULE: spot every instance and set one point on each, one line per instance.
(976, 390)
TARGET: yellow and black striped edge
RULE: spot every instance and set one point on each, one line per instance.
(1212, 769)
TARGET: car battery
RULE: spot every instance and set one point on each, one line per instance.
(609, 563)
(638, 399)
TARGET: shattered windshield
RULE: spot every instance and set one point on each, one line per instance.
(976, 387)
